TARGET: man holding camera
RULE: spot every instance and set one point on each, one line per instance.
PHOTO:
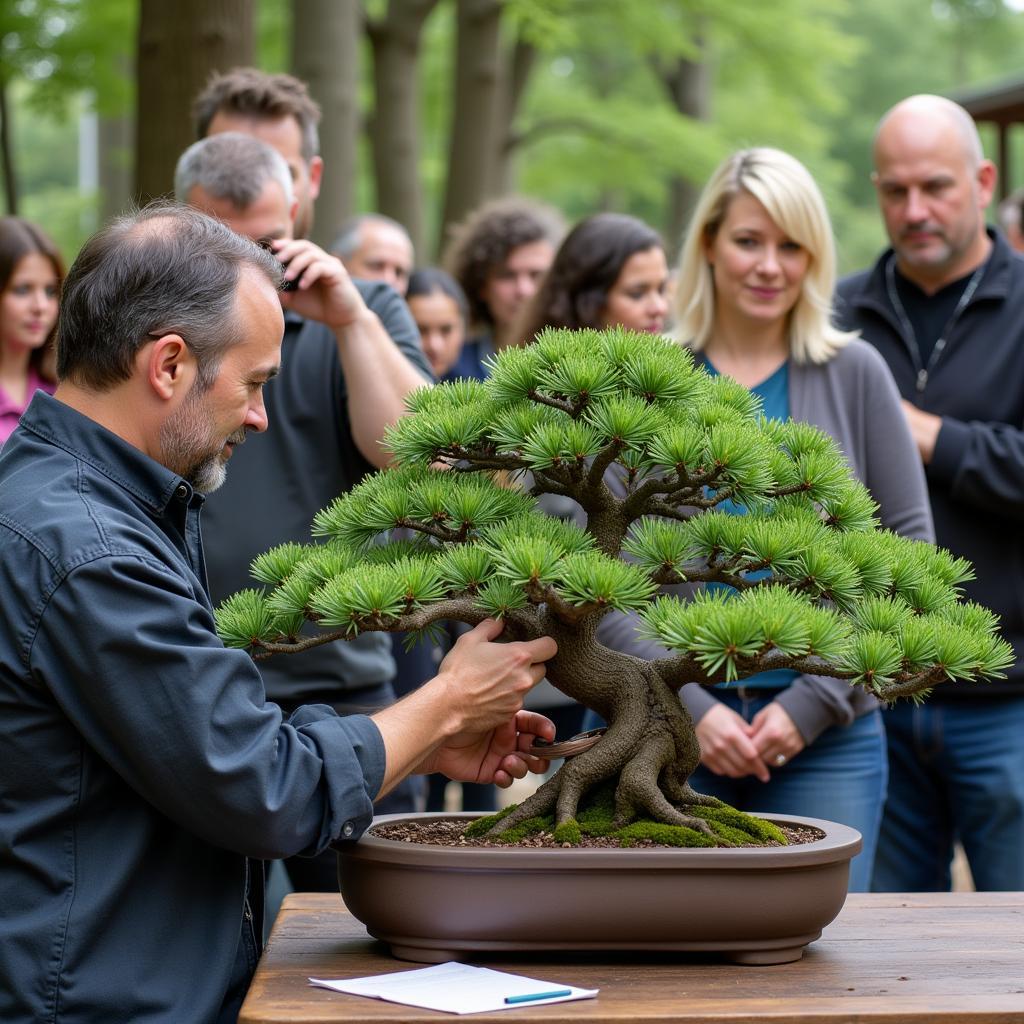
(343, 380)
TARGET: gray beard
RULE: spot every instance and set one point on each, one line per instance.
(188, 448)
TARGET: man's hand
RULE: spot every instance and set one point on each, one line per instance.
(497, 756)
(467, 720)
(924, 428)
(325, 291)
(484, 683)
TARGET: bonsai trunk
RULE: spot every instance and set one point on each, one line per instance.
(650, 746)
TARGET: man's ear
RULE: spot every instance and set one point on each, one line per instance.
(169, 365)
(316, 173)
(987, 176)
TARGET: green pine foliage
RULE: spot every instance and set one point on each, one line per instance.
(658, 455)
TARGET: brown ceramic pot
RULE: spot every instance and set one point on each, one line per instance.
(751, 905)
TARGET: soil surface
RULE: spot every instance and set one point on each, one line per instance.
(448, 832)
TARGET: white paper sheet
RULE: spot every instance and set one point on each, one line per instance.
(455, 988)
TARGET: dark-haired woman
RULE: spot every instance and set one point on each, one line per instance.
(30, 276)
(499, 255)
(439, 307)
(609, 271)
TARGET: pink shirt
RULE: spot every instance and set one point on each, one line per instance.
(10, 411)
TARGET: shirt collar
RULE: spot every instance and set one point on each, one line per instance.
(66, 428)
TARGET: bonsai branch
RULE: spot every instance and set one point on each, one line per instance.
(569, 408)
(524, 624)
(907, 686)
(569, 614)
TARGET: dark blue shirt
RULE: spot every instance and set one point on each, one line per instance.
(140, 766)
(471, 359)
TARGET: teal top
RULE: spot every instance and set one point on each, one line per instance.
(774, 395)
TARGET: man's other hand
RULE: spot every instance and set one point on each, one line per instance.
(325, 291)
(484, 683)
(497, 756)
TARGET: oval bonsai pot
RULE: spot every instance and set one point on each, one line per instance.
(751, 905)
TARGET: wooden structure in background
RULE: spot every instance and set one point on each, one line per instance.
(1001, 105)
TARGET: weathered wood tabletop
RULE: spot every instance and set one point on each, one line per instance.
(950, 957)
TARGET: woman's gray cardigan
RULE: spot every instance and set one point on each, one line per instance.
(853, 398)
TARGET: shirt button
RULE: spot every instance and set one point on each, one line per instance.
(181, 491)
(347, 829)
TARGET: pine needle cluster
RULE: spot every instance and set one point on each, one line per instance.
(657, 454)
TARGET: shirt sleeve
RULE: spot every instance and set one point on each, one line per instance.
(132, 658)
(982, 464)
(394, 314)
(815, 703)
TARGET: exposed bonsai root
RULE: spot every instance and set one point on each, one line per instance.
(563, 791)
(639, 796)
(680, 793)
(720, 826)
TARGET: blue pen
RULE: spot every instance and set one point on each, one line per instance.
(530, 996)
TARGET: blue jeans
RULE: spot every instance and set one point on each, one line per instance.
(957, 772)
(841, 777)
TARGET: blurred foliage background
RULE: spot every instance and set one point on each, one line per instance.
(597, 104)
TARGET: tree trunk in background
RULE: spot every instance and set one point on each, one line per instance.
(394, 129)
(689, 87)
(518, 64)
(180, 45)
(115, 165)
(7, 152)
(325, 54)
(475, 128)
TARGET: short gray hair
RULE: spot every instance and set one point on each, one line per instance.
(232, 166)
(349, 237)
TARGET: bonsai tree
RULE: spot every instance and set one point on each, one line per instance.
(650, 448)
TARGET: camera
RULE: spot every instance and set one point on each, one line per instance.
(286, 286)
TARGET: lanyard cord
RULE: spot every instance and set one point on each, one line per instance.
(908, 327)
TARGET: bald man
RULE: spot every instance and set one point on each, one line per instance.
(945, 307)
(376, 248)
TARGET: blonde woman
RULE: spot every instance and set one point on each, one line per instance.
(753, 300)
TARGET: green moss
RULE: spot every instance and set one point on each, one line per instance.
(569, 832)
(665, 835)
(482, 826)
(597, 812)
(749, 827)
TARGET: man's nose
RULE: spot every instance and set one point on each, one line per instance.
(916, 209)
(256, 417)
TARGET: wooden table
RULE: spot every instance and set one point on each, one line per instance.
(951, 957)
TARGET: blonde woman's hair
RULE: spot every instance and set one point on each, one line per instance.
(785, 188)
